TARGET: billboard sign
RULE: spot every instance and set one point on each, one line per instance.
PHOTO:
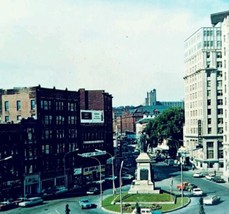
(91, 116)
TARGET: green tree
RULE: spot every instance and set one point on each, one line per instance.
(201, 210)
(167, 125)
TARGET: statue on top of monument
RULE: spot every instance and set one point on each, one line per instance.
(142, 145)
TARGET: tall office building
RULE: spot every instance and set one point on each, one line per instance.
(222, 20)
(203, 81)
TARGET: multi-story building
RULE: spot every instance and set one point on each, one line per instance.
(222, 20)
(60, 124)
(203, 80)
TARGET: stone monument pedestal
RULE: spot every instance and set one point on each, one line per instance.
(143, 182)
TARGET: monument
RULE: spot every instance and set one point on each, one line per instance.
(144, 175)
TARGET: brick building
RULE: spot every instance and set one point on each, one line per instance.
(51, 140)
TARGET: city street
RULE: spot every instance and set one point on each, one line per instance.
(164, 175)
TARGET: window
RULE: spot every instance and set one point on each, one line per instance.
(59, 120)
(209, 130)
(32, 104)
(7, 118)
(219, 93)
(48, 119)
(209, 112)
(209, 121)
(210, 150)
(218, 44)
(218, 33)
(45, 149)
(18, 117)
(71, 106)
(59, 105)
(46, 104)
(218, 55)
(220, 130)
(208, 54)
(220, 111)
(208, 83)
(209, 102)
(220, 149)
(18, 105)
(220, 120)
(219, 83)
(219, 65)
(6, 105)
(220, 102)
(224, 51)
(208, 93)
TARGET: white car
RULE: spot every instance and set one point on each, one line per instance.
(31, 202)
(197, 192)
(211, 199)
(209, 177)
(198, 175)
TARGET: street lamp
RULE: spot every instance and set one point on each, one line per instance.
(100, 175)
(113, 176)
(65, 173)
(182, 189)
(120, 188)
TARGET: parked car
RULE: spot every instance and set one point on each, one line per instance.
(197, 192)
(198, 175)
(31, 202)
(6, 205)
(60, 190)
(182, 186)
(18, 200)
(93, 191)
(211, 199)
(209, 177)
(85, 203)
(189, 187)
(218, 179)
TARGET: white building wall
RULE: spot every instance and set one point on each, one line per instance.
(225, 69)
(203, 79)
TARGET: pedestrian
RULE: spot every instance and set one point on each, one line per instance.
(67, 210)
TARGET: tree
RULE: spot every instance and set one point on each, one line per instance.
(201, 210)
(167, 125)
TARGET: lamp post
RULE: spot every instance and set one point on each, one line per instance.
(120, 188)
(100, 175)
(182, 189)
(113, 176)
(65, 172)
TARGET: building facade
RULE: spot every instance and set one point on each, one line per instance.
(58, 127)
(203, 81)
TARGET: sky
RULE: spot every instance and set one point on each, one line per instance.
(125, 47)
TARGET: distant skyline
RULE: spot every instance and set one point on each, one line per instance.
(124, 47)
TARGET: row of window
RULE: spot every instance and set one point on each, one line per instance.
(18, 105)
(48, 120)
(59, 105)
(48, 134)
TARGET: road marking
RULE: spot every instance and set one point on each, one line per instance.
(57, 211)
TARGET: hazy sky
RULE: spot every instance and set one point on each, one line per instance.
(124, 47)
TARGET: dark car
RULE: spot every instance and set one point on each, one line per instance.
(93, 191)
(218, 179)
(6, 205)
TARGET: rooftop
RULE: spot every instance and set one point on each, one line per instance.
(218, 17)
